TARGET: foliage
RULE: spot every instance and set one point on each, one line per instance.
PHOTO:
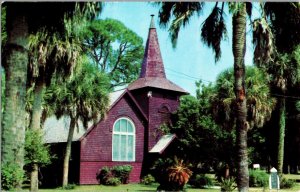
(148, 180)
(51, 54)
(263, 42)
(181, 17)
(103, 175)
(114, 181)
(2, 90)
(36, 152)
(122, 172)
(258, 178)
(114, 49)
(200, 139)
(201, 181)
(214, 30)
(3, 26)
(11, 176)
(298, 106)
(259, 102)
(159, 169)
(227, 185)
(181, 13)
(171, 174)
(84, 96)
(179, 172)
(257, 139)
(287, 183)
(115, 175)
(69, 187)
(283, 17)
(20, 23)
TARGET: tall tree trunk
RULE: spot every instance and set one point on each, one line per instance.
(239, 49)
(35, 125)
(68, 151)
(281, 135)
(15, 63)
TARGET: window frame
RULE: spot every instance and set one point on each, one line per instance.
(120, 133)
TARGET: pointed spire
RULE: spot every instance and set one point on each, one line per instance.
(152, 64)
(153, 72)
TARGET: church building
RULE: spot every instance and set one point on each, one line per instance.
(130, 132)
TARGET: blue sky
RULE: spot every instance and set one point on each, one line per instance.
(191, 60)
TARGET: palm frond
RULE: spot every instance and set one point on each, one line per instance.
(214, 30)
(260, 104)
(182, 13)
(263, 42)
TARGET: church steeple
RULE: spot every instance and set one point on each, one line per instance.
(153, 72)
(152, 64)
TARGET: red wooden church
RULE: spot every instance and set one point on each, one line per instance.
(130, 132)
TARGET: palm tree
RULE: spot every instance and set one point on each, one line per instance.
(182, 12)
(15, 63)
(37, 16)
(259, 101)
(271, 40)
(47, 58)
(239, 49)
(84, 97)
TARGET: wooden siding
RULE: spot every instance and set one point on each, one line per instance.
(96, 147)
(88, 171)
(159, 100)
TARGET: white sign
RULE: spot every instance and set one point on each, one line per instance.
(274, 179)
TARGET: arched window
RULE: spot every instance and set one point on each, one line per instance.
(123, 141)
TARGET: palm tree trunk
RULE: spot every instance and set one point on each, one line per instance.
(15, 64)
(68, 151)
(35, 125)
(280, 155)
(239, 49)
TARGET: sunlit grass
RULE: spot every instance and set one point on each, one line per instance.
(149, 188)
(152, 188)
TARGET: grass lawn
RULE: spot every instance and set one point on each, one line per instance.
(121, 188)
(150, 188)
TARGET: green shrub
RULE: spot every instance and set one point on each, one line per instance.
(11, 176)
(171, 174)
(148, 180)
(227, 185)
(287, 183)
(122, 172)
(201, 180)
(69, 187)
(114, 181)
(103, 175)
(35, 149)
(258, 178)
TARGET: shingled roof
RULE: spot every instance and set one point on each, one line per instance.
(56, 130)
(153, 72)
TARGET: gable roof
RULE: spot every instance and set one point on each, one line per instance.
(113, 103)
(56, 130)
